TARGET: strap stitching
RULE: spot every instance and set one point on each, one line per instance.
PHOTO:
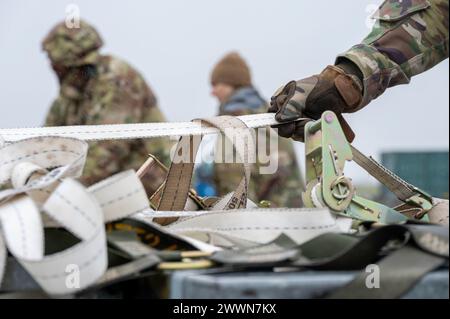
(76, 208)
(80, 267)
(178, 186)
(247, 211)
(22, 229)
(120, 198)
(36, 154)
(258, 120)
(275, 228)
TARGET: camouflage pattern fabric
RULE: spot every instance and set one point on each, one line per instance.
(282, 189)
(72, 47)
(107, 91)
(410, 37)
(333, 89)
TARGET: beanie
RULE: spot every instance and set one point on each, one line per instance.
(232, 70)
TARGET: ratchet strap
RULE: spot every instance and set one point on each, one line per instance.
(416, 202)
(41, 165)
(131, 131)
(178, 181)
(44, 194)
(394, 183)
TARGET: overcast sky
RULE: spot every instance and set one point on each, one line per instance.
(174, 44)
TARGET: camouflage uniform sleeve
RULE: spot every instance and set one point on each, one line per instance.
(120, 96)
(409, 37)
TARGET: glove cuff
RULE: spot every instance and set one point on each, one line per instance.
(349, 86)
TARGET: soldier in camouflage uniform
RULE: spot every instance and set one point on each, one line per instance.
(232, 85)
(410, 37)
(100, 89)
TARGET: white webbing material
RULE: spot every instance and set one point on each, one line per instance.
(68, 204)
(130, 131)
(45, 193)
(3, 255)
(258, 226)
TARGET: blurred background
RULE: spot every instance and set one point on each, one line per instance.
(174, 44)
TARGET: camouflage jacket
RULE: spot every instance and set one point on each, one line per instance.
(109, 92)
(409, 37)
(282, 188)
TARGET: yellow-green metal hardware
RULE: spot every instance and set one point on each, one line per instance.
(327, 150)
(186, 264)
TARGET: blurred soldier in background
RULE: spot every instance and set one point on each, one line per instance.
(232, 86)
(409, 38)
(100, 89)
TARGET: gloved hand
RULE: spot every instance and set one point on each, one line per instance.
(337, 88)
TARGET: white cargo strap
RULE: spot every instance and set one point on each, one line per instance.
(402, 189)
(67, 204)
(46, 166)
(131, 131)
(178, 181)
(399, 187)
(258, 226)
(230, 226)
(83, 211)
(440, 211)
(65, 154)
(3, 255)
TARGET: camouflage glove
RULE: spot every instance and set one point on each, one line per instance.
(337, 88)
